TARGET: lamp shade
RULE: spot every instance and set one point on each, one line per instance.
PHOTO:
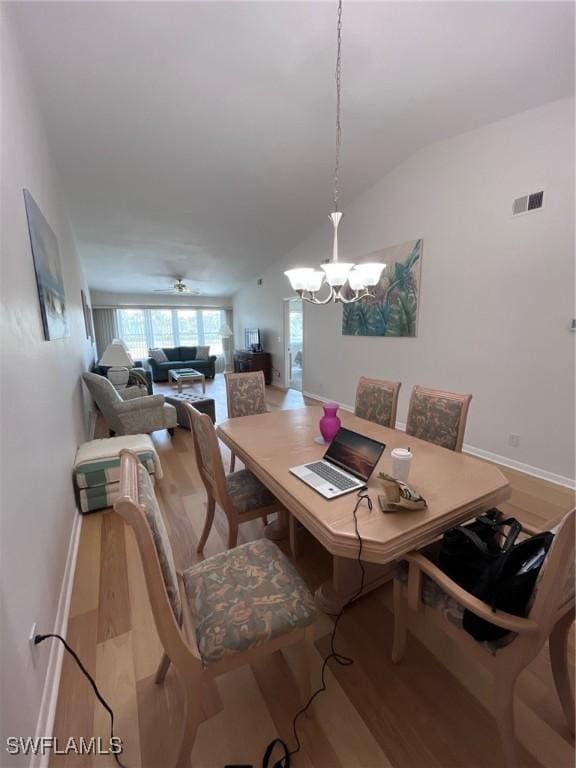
(116, 355)
(225, 330)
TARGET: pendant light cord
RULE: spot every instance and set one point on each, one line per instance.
(338, 122)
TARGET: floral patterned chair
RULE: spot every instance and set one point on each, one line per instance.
(246, 396)
(219, 614)
(240, 494)
(377, 401)
(438, 417)
(421, 588)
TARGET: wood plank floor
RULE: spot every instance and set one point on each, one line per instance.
(432, 710)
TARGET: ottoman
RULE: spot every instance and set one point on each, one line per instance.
(200, 402)
(96, 473)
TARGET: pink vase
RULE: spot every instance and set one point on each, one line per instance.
(329, 423)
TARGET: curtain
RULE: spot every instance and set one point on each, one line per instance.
(105, 328)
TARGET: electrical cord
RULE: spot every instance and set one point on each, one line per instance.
(339, 658)
(40, 638)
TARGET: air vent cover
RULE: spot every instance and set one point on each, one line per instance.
(528, 203)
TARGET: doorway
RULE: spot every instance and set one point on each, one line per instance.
(294, 343)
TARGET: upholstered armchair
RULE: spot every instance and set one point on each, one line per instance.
(421, 588)
(128, 412)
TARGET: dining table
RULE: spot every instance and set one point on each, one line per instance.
(455, 485)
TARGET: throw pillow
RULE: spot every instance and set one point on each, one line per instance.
(158, 355)
(202, 353)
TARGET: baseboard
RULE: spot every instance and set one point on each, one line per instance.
(47, 713)
(504, 461)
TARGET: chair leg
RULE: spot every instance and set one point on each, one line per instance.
(232, 534)
(232, 461)
(503, 710)
(400, 623)
(210, 507)
(162, 669)
(265, 519)
(558, 646)
(192, 715)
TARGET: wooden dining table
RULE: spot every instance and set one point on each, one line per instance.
(456, 487)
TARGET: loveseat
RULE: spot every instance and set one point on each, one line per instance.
(182, 357)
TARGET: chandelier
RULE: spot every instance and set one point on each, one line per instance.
(337, 275)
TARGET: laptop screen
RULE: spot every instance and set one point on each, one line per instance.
(355, 453)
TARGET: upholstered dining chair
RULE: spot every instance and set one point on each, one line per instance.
(245, 396)
(421, 587)
(196, 611)
(377, 401)
(240, 494)
(438, 417)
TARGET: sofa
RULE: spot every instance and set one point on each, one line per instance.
(181, 357)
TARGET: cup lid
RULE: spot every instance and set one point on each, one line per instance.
(402, 453)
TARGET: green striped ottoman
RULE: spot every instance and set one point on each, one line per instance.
(97, 469)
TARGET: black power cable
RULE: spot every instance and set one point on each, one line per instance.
(339, 658)
(72, 652)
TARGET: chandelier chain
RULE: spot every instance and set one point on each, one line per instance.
(338, 120)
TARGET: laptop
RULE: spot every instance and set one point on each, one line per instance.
(346, 466)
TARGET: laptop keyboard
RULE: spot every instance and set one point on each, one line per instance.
(331, 476)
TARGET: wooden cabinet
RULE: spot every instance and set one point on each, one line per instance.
(245, 361)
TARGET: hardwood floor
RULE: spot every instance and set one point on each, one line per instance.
(430, 711)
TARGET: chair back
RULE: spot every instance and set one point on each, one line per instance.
(554, 590)
(438, 417)
(245, 393)
(105, 396)
(138, 506)
(377, 401)
(208, 456)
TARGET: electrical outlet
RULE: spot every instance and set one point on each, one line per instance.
(514, 440)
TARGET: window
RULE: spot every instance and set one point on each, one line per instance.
(187, 320)
(162, 329)
(145, 328)
(212, 320)
(132, 329)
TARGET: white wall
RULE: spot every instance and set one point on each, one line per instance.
(497, 292)
(42, 415)
(107, 299)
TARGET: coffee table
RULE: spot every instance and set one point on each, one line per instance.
(186, 376)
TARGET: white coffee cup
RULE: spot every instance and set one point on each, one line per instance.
(401, 460)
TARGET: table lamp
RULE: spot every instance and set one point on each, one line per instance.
(118, 360)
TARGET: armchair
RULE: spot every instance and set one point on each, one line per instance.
(128, 413)
(421, 587)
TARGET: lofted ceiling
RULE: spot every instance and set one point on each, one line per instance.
(195, 139)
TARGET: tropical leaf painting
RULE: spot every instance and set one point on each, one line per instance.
(394, 309)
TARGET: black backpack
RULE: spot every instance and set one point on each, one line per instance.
(501, 574)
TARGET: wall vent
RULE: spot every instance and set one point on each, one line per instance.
(528, 203)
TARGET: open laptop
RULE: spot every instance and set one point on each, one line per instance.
(346, 466)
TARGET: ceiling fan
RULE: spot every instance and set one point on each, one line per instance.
(179, 287)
